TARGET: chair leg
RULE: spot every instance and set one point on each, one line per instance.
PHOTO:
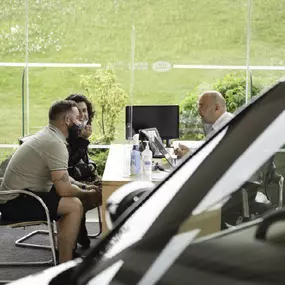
(51, 247)
(30, 263)
(20, 242)
(52, 242)
(245, 204)
(50, 232)
(100, 225)
(280, 198)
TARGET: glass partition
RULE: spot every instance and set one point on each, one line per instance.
(13, 32)
(75, 46)
(160, 54)
(71, 47)
(181, 87)
(191, 33)
(267, 37)
(266, 78)
(50, 84)
(11, 104)
(185, 49)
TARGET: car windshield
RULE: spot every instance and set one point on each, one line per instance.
(249, 188)
(231, 180)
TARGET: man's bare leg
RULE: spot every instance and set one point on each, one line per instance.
(71, 210)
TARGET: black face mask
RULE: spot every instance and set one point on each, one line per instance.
(73, 132)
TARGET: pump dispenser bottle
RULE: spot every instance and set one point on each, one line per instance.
(135, 157)
(147, 163)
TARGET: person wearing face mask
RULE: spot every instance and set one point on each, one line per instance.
(213, 112)
(81, 168)
(40, 165)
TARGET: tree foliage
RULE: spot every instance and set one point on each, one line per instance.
(108, 98)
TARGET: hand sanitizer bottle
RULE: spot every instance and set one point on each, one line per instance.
(135, 157)
(146, 163)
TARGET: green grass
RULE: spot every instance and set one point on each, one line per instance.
(93, 31)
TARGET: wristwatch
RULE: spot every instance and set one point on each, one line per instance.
(83, 186)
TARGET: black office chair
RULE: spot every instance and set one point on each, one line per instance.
(273, 184)
(242, 206)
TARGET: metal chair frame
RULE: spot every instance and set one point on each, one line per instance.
(50, 232)
(271, 175)
(100, 225)
(21, 242)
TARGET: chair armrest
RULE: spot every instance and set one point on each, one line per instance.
(251, 185)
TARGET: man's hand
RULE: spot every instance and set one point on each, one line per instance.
(93, 187)
(86, 132)
(181, 150)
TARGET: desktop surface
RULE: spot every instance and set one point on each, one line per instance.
(114, 177)
(114, 168)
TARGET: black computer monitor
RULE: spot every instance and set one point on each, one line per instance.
(163, 117)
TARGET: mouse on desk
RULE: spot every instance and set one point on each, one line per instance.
(159, 167)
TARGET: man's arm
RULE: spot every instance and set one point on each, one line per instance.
(83, 185)
(77, 183)
(63, 186)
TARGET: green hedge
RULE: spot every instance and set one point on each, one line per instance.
(99, 156)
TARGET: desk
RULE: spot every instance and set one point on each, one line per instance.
(113, 177)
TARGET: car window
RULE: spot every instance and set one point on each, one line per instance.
(252, 186)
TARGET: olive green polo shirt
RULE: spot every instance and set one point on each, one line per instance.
(31, 165)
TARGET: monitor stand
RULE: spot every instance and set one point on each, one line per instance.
(167, 143)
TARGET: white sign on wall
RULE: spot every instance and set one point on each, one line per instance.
(161, 66)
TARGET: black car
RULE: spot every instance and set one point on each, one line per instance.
(216, 219)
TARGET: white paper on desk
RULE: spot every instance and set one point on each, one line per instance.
(159, 175)
(190, 144)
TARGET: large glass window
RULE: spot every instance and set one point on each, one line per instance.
(11, 104)
(184, 32)
(13, 31)
(160, 53)
(266, 33)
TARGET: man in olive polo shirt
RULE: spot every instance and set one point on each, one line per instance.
(40, 165)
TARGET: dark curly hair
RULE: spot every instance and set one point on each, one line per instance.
(81, 98)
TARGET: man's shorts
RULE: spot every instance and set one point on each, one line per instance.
(27, 208)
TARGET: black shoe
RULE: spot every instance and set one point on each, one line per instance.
(83, 238)
(75, 254)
